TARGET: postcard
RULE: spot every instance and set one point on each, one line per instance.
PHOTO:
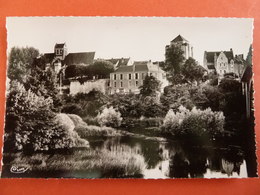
(129, 97)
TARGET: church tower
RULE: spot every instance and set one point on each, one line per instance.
(183, 44)
(60, 51)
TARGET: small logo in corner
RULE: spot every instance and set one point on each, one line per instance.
(19, 169)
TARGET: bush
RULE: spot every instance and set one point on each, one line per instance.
(194, 123)
(32, 126)
(84, 130)
(109, 117)
(72, 139)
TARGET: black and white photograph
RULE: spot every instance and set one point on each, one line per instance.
(129, 97)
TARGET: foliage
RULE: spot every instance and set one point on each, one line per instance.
(128, 105)
(100, 69)
(75, 71)
(150, 86)
(151, 107)
(43, 83)
(194, 123)
(109, 117)
(135, 106)
(20, 62)
(249, 56)
(173, 60)
(213, 78)
(72, 139)
(30, 123)
(176, 95)
(82, 104)
(232, 101)
(72, 109)
(192, 71)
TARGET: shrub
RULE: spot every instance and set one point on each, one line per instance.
(193, 123)
(84, 130)
(32, 126)
(71, 138)
(109, 117)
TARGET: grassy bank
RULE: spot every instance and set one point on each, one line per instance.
(110, 163)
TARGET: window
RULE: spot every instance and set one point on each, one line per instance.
(130, 76)
(114, 84)
(136, 75)
(143, 75)
(114, 76)
(130, 83)
(57, 51)
(121, 76)
(136, 83)
(121, 84)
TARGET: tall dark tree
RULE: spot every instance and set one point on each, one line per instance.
(20, 62)
(150, 86)
(192, 71)
(174, 59)
(249, 57)
(43, 83)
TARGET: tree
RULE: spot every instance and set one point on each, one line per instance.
(232, 101)
(249, 56)
(101, 69)
(173, 61)
(29, 119)
(20, 62)
(192, 71)
(150, 86)
(76, 71)
(43, 83)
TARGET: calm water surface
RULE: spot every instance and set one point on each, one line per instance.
(166, 159)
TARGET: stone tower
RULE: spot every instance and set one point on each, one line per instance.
(183, 44)
(60, 51)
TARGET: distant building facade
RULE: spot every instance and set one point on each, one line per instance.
(183, 44)
(61, 58)
(118, 62)
(223, 62)
(128, 79)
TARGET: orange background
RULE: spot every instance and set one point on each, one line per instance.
(189, 8)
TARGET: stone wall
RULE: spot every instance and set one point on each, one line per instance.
(87, 86)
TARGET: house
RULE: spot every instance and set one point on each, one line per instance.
(118, 62)
(223, 62)
(128, 79)
(61, 58)
(182, 43)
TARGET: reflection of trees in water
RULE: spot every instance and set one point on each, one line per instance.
(193, 161)
(185, 159)
(190, 163)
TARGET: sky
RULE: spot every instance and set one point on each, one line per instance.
(141, 38)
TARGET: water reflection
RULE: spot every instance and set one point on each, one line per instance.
(179, 160)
